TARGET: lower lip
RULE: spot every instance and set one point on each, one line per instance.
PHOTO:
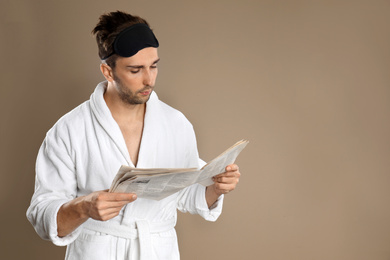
(146, 93)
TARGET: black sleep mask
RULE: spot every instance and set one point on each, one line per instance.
(133, 39)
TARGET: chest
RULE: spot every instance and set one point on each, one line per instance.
(132, 134)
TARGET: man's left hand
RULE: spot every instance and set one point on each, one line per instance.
(227, 181)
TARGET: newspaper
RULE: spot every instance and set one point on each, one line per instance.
(159, 183)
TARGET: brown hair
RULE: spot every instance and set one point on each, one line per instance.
(108, 27)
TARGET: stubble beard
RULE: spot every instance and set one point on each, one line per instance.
(129, 97)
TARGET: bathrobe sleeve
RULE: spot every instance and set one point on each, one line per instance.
(192, 199)
(55, 184)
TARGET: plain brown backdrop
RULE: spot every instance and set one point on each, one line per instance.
(307, 82)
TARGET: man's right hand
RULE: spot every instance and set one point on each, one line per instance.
(104, 205)
(99, 205)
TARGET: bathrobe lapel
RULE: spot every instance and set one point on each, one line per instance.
(152, 127)
(151, 136)
(104, 117)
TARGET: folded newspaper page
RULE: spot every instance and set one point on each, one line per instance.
(159, 183)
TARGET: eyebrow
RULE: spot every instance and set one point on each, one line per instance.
(141, 66)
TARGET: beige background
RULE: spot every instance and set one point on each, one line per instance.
(307, 82)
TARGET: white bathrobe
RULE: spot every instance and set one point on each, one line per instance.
(82, 153)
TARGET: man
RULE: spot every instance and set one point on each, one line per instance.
(122, 123)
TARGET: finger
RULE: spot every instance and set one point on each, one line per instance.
(107, 214)
(224, 187)
(112, 205)
(231, 168)
(228, 175)
(129, 197)
(110, 211)
(235, 174)
(110, 216)
(227, 180)
(104, 212)
(225, 174)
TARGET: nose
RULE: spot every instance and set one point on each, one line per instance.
(148, 78)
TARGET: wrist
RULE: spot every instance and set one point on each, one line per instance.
(211, 195)
(81, 208)
(213, 190)
(70, 216)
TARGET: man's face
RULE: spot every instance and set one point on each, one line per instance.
(135, 76)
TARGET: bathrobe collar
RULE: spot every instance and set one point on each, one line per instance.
(151, 132)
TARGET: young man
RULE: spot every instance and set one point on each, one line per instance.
(123, 123)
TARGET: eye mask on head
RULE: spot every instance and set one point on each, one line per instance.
(133, 39)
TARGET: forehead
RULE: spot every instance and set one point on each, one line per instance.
(145, 56)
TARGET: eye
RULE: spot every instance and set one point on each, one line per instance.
(134, 71)
(154, 66)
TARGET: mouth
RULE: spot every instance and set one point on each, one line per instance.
(146, 92)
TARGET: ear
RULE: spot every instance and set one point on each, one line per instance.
(107, 72)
